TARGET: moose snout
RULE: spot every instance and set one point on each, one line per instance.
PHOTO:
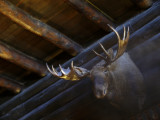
(100, 93)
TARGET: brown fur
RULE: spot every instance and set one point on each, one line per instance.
(122, 81)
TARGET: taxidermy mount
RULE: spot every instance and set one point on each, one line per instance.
(115, 78)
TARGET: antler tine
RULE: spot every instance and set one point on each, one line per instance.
(52, 71)
(107, 53)
(99, 55)
(124, 33)
(115, 32)
(122, 43)
(61, 69)
(75, 73)
(110, 51)
(72, 66)
(127, 38)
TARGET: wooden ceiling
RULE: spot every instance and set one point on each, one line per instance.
(23, 60)
(34, 32)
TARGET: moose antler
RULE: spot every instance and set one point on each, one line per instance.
(122, 44)
(75, 73)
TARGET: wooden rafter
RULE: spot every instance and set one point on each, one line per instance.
(39, 28)
(10, 85)
(91, 13)
(143, 3)
(22, 59)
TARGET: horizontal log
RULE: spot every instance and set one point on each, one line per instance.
(10, 85)
(82, 108)
(39, 28)
(58, 101)
(91, 13)
(23, 96)
(10, 54)
(150, 47)
(142, 34)
(135, 23)
(82, 101)
(143, 3)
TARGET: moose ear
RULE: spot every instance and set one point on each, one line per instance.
(74, 73)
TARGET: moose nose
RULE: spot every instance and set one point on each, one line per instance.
(100, 93)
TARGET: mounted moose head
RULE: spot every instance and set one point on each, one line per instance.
(116, 77)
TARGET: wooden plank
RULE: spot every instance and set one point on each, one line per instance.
(143, 3)
(9, 84)
(36, 26)
(152, 29)
(135, 23)
(21, 59)
(149, 46)
(59, 100)
(82, 101)
(91, 13)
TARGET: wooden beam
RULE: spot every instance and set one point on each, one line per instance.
(46, 84)
(91, 13)
(142, 3)
(21, 59)
(81, 101)
(10, 85)
(60, 100)
(149, 33)
(37, 27)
